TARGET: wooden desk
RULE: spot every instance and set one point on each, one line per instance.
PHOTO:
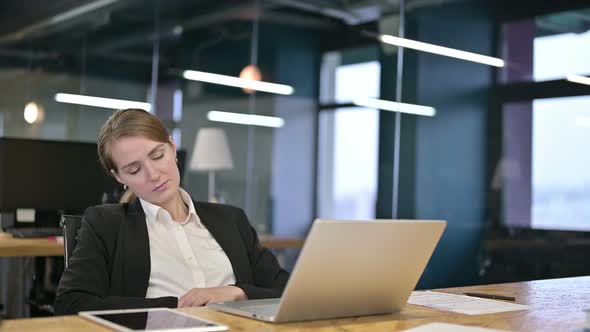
(13, 247)
(275, 242)
(557, 305)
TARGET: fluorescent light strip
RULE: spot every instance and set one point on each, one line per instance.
(441, 50)
(583, 122)
(117, 104)
(578, 79)
(237, 82)
(395, 107)
(246, 119)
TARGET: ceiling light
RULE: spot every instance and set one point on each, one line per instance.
(117, 104)
(33, 113)
(250, 72)
(441, 50)
(395, 106)
(246, 119)
(237, 82)
(578, 79)
(583, 122)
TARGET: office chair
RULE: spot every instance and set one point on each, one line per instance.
(70, 225)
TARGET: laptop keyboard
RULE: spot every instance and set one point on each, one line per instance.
(261, 309)
(35, 232)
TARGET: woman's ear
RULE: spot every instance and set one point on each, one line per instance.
(173, 144)
(114, 174)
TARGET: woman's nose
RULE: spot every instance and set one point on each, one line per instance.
(153, 173)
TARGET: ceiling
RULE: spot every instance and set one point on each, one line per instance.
(55, 35)
(125, 30)
(118, 24)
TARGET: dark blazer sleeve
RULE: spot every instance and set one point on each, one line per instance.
(269, 278)
(85, 284)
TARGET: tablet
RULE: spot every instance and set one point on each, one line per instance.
(153, 319)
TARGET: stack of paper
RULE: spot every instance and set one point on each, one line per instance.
(443, 327)
(462, 304)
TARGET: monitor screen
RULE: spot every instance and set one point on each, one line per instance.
(51, 175)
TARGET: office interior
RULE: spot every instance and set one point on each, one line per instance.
(502, 159)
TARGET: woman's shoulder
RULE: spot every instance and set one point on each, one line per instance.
(217, 208)
(223, 213)
(108, 214)
(108, 208)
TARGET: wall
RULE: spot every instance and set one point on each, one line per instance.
(451, 179)
(442, 158)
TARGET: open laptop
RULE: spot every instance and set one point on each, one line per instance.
(350, 268)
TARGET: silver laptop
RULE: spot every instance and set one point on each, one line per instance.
(350, 268)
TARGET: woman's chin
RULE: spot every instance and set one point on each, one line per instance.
(167, 194)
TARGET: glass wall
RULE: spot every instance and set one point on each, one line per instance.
(146, 66)
(251, 151)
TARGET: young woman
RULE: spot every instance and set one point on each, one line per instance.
(159, 248)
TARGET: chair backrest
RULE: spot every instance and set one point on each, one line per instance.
(70, 225)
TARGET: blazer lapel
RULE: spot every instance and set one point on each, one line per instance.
(137, 251)
(227, 237)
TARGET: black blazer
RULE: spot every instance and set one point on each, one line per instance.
(110, 266)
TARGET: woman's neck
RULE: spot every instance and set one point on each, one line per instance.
(177, 208)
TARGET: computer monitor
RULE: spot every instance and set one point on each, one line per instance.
(39, 174)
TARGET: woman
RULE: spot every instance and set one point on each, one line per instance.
(159, 248)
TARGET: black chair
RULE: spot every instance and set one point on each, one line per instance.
(70, 225)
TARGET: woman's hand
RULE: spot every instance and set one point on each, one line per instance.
(202, 296)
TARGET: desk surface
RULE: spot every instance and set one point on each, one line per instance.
(13, 247)
(277, 242)
(557, 305)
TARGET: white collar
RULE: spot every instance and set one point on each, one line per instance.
(152, 210)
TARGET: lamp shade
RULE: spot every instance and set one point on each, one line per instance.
(211, 151)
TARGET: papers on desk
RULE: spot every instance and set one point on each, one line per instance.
(462, 304)
(444, 327)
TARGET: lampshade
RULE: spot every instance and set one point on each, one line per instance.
(211, 151)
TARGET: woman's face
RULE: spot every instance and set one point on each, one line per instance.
(147, 167)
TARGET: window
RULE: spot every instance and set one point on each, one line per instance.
(348, 146)
(560, 163)
(557, 56)
(546, 182)
(547, 47)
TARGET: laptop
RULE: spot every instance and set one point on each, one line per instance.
(349, 268)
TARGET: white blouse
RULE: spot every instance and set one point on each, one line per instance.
(183, 255)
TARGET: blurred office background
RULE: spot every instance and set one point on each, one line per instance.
(503, 159)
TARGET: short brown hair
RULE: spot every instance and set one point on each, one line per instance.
(125, 123)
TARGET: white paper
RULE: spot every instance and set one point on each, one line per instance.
(462, 304)
(444, 327)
